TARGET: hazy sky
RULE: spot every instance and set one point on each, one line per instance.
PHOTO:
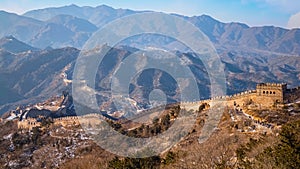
(284, 13)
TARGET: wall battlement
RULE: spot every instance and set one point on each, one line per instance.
(92, 118)
(265, 96)
(28, 123)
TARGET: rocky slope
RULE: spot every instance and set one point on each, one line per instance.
(28, 77)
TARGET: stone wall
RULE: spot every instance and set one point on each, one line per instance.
(67, 121)
(89, 119)
(265, 96)
(28, 123)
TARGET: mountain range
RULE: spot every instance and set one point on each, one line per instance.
(11, 44)
(39, 49)
(73, 25)
(30, 76)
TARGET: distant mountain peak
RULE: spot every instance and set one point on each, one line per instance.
(9, 37)
(104, 6)
(73, 5)
(11, 44)
(240, 24)
(207, 17)
(7, 13)
(2, 11)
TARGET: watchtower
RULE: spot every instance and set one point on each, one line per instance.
(273, 92)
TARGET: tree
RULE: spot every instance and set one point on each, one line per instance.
(165, 121)
(288, 150)
(19, 140)
(201, 107)
(155, 120)
(170, 158)
(46, 122)
(133, 163)
(35, 137)
(285, 154)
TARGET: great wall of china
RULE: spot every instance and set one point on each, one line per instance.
(87, 119)
(265, 96)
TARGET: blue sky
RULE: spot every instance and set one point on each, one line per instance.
(283, 13)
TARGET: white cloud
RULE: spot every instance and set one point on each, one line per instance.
(294, 21)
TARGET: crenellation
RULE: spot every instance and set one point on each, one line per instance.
(265, 95)
(28, 123)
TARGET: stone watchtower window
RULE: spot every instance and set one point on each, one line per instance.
(264, 92)
(267, 92)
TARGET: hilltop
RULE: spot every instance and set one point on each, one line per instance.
(240, 137)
